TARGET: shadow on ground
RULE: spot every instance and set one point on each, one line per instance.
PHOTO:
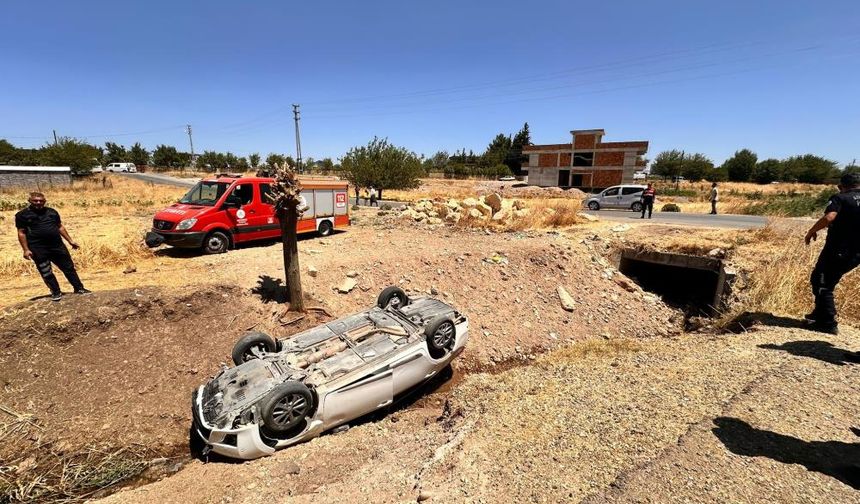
(270, 289)
(821, 350)
(833, 458)
(746, 320)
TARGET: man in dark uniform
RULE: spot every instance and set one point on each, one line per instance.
(648, 196)
(41, 233)
(841, 252)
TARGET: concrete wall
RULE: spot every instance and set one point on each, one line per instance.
(34, 179)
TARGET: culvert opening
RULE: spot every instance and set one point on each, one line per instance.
(698, 285)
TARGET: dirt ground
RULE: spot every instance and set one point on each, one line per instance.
(609, 402)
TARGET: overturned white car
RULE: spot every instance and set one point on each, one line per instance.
(287, 391)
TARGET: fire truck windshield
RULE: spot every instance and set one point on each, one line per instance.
(205, 193)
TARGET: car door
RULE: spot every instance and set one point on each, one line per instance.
(610, 198)
(268, 220)
(412, 369)
(358, 398)
(630, 195)
(240, 218)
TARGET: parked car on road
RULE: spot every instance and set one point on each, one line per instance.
(620, 196)
(282, 392)
(222, 211)
(96, 169)
(121, 167)
(507, 178)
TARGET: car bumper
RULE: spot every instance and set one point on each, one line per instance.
(242, 443)
(181, 240)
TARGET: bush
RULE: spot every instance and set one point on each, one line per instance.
(670, 207)
(385, 206)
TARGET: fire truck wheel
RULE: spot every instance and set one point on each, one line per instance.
(325, 228)
(216, 242)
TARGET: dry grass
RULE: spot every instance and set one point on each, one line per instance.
(108, 216)
(779, 281)
(35, 469)
(784, 199)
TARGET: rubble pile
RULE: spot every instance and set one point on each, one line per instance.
(490, 208)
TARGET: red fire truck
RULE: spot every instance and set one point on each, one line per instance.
(222, 211)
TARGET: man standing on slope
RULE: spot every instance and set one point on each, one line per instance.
(41, 233)
(841, 252)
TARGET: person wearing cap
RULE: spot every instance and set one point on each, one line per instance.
(841, 252)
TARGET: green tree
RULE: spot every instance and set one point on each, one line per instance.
(230, 160)
(138, 154)
(114, 153)
(326, 165)
(212, 161)
(242, 164)
(810, 169)
(382, 165)
(497, 152)
(254, 160)
(273, 161)
(668, 164)
(166, 156)
(515, 157)
(767, 171)
(76, 154)
(695, 167)
(740, 166)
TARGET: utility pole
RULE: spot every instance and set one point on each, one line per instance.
(191, 142)
(55, 136)
(296, 116)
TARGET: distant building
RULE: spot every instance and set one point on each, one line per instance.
(586, 162)
(34, 177)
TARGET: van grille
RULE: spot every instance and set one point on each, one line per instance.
(162, 225)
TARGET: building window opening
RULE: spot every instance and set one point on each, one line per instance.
(583, 159)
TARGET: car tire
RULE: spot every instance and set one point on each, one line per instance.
(286, 406)
(440, 333)
(636, 207)
(216, 242)
(593, 205)
(242, 350)
(392, 294)
(325, 228)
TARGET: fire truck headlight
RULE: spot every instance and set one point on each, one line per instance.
(186, 224)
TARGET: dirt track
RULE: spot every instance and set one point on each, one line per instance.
(528, 416)
(626, 421)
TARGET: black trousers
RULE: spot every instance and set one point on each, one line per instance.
(62, 259)
(832, 265)
(647, 204)
(713, 207)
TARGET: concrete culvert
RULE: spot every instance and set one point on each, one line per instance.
(700, 285)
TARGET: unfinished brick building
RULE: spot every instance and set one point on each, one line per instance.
(586, 162)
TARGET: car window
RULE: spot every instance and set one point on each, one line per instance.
(265, 191)
(631, 190)
(612, 191)
(245, 193)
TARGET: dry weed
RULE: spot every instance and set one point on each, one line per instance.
(779, 282)
(107, 215)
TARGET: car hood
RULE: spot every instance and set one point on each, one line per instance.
(180, 211)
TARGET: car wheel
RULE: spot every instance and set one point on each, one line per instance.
(286, 406)
(325, 228)
(393, 297)
(440, 335)
(593, 205)
(636, 207)
(243, 350)
(216, 242)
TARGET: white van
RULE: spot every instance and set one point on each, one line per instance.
(121, 167)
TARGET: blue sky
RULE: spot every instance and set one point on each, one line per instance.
(779, 77)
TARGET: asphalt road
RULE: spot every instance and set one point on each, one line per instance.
(156, 178)
(725, 221)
